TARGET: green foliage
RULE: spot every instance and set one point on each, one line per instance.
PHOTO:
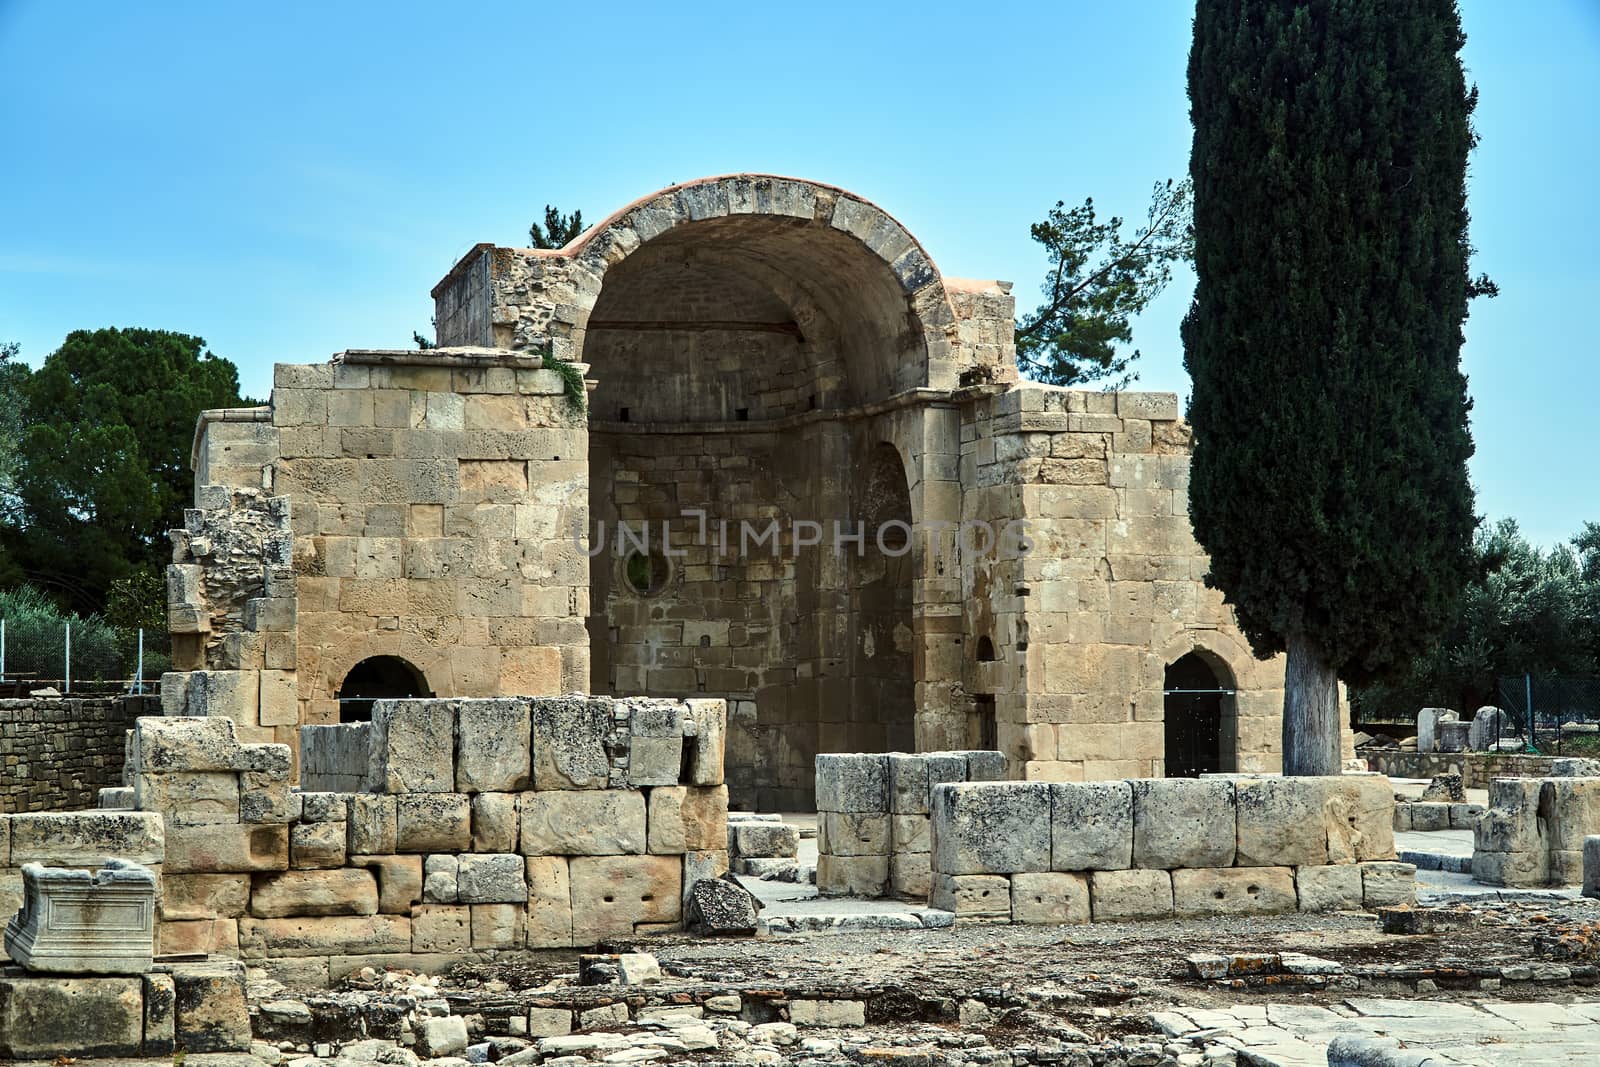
(1098, 281)
(13, 375)
(1527, 611)
(1329, 481)
(558, 230)
(103, 456)
(422, 342)
(571, 381)
(36, 639)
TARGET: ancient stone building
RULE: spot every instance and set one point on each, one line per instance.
(771, 366)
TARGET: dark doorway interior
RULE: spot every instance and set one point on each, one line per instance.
(378, 678)
(1194, 711)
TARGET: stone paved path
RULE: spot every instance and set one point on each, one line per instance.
(1486, 1034)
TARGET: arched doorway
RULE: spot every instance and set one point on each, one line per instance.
(1198, 718)
(378, 678)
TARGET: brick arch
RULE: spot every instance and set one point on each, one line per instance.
(846, 255)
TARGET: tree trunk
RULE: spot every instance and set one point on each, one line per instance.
(1310, 711)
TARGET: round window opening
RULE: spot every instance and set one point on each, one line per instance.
(646, 572)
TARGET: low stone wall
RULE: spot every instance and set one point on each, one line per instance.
(56, 753)
(333, 759)
(1533, 833)
(1040, 852)
(872, 817)
(484, 825)
(1427, 815)
(1477, 769)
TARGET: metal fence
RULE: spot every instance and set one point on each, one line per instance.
(35, 657)
(1553, 712)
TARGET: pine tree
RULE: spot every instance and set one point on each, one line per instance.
(1329, 482)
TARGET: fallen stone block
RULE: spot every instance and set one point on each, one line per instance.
(720, 907)
(412, 747)
(1410, 921)
(852, 782)
(992, 828)
(1233, 891)
(1280, 822)
(1330, 888)
(549, 1022)
(1430, 817)
(444, 1035)
(1115, 896)
(492, 746)
(1183, 822)
(43, 1018)
(607, 822)
(1091, 826)
(1053, 897)
(314, 893)
(1444, 789)
(569, 735)
(832, 1013)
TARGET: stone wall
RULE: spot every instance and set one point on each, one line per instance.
(1039, 852)
(483, 825)
(1477, 769)
(57, 753)
(334, 758)
(1533, 833)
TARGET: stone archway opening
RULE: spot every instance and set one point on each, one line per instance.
(378, 678)
(1200, 722)
(733, 358)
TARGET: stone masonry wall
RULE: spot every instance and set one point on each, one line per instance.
(1477, 769)
(483, 825)
(1038, 852)
(57, 753)
(1534, 831)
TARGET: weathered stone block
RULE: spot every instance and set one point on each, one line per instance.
(399, 881)
(441, 928)
(317, 845)
(971, 896)
(720, 907)
(499, 925)
(833, 1013)
(1280, 822)
(911, 874)
(105, 1017)
(569, 736)
(189, 798)
(910, 833)
(708, 719)
(227, 848)
(167, 745)
(1385, 885)
(496, 878)
(204, 896)
(852, 833)
(1591, 866)
(1510, 868)
(1330, 888)
(583, 823)
(549, 1022)
(199, 937)
(1574, 811)
(1426, 817)
(852, 876)
(492, 746)
(439, 885)
(324, 936)
(1233, 891)
(852, 782)
(1091, 826)
(1116, 896)
(687, 818)
(412, 747)
(1183, 822)
(1050, 898)
(1359, 816)
(494, 822)
(765, 840)
(264, 797)
(991, 828)
(86, 838)
(280, 699)
(160, 1014)
(433, 822)
(549, 902)
(314, 893)
(373, 824)
(210, 1011)
(611, 894)
(986, 766)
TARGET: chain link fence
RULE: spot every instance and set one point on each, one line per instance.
(1554, 714)
(87, 656)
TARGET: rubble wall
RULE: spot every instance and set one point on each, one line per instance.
(1036, 852)
(56, 753)
(482, 825)
(1477, 769)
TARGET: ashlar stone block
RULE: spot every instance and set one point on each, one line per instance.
(86, 838)
(494, 822)
(433, 822)
(107, 1016)
(1116, 896)
(971, 896)
(492, 746)
(1280, 822)
(852, 782)
(1336, 887)
(1091, 826)
(562, 822)
(324, 936)
(1385, 885)
(226, 848)
(1183, 822)
(569, 735)
(411, 748)
(849, 833)
(491, 878)
(345, 891)
(708, 732)
(372, 824)
(549, 919)
(1359, 816)
(1233, 891)
(613, 894)
(399, 881)
(1053, 897)
(852, 876)
(991, 828)
(317, 845)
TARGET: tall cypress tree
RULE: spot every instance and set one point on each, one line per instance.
(1329, 482)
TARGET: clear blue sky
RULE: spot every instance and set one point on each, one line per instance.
(290, 180)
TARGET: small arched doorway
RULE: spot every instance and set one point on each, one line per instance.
(378, 678)
(1197, 718)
